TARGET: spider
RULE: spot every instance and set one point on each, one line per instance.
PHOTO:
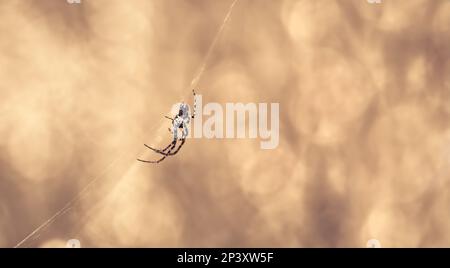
(180, 121)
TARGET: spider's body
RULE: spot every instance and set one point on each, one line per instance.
(180, 121)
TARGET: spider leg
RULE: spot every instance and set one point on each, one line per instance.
(161, 151)
(171, 147)
(179, 147)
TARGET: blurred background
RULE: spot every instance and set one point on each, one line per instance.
(364, 151)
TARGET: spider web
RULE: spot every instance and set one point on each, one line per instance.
(35, 234)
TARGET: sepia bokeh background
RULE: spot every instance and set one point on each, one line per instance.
(364, 153)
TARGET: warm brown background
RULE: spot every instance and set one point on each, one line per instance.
(364, 91)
